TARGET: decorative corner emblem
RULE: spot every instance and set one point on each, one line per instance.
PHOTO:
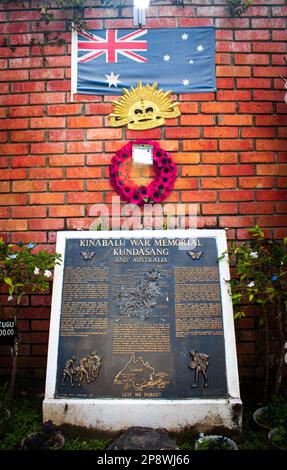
(143, 107)
(195, 255)
(199, 363)
(87, 255)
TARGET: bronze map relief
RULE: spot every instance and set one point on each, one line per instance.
(141, 318)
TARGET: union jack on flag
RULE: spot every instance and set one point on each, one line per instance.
(112, 45)
(179, 59)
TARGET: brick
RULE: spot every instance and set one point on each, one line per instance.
(47, 98)
(85, 121)
(279, 35)
(272, 120)
(21, 111)
(27, 237)
(251, 59)
(236, 170)
(246, 144)
(46, 224)
(182, 133)
(280, 145)
(225, 208)
(23, 162)
(28, 186)
(268, 71)
(226, 95)
(84, 172)
(100, 185)
(240, 221)
(47, 148)
(253, 83)
(11, 28)
(12, 199)
(27, 136)
(231, 46)
(232, 71)
(198, 196)
(268, 23)
(186, 22)
(222, 157)
(12, 174)
(28, 212)
(187, 157)
(218, 107)
(272, 169)
(249, 157)
(75, 185)
(40, 325)
(4, 212)
(221, 133)
(199, 145)
(45, 173)
(11, 225)
(98, 108)
(270, 95)
(23, 87)
(46, 74)
(15, 123)
(149, 134)
(67, 160)
(84, 198)
(47, 198)
(200, 120)
(280, 207)
(4, 187)
(80, 147)
(239, 120)
(256, 208)
(271, 220)
(61, 135)
(236, 195)
(199, 170)
(257, 132)
(66, 211)
(256, 182)
(176, 11)
(47, 123)
(18, 52)
(103, 134)
(281, 182)
(269, 47)
(63, 109)
(10, 100)
(222, 59)
(14, 75)
(271, 195)
(218, 183)
(256, 108)
(209, 96)
(252, 35)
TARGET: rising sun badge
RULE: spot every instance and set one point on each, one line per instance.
(143, 107)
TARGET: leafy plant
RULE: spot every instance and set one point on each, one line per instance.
(46, 439)
(239, 7)
(261, 278)
(23, 270)
(275, 413)
(213, 443)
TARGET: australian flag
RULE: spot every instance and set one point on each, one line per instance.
(178, 59)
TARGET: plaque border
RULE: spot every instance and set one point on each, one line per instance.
(112, 414)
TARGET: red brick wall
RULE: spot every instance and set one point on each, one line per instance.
(230, 146)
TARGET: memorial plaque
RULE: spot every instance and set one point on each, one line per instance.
(140, 317)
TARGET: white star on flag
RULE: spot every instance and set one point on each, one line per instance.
(191, 61)
(184, 36)
(112, 79)
(166, 57)
(185, 82)
(200, 48)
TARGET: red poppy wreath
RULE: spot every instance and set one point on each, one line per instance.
(159, 188)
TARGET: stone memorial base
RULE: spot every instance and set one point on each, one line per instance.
(172, 415)
(142, 333)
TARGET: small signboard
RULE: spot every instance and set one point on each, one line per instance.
(7, 331)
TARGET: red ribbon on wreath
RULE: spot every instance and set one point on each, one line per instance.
(159, 188)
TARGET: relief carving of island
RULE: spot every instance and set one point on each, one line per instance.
(137, 301)
(139, 375)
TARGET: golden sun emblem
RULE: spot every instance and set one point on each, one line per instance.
(143, 107)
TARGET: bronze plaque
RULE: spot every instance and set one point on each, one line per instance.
(141, 318)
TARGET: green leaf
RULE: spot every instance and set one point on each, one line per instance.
(8, 281)
(251, 297)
